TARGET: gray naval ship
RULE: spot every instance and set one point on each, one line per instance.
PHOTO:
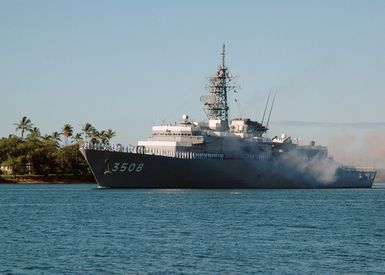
(220, 153)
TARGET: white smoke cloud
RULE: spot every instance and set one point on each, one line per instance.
(323, 170)
(367, 150)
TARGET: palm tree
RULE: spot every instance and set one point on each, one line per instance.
(25, 124)
(46, 137)
(35, 133)
(103, 138)
(109, 134)
(95, 136)
(67, 132)
(56, 137)
(87, 129)
(77, 137)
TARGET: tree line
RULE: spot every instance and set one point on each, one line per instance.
(55, 153)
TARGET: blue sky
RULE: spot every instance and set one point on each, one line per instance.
(127, 65)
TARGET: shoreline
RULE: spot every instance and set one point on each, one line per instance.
(45, 182)
(49, 179)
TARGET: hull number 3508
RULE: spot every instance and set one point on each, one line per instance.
(127, 167)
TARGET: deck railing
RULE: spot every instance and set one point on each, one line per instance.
(151, 151)
(358, 168)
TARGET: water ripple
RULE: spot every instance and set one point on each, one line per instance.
(79, 229)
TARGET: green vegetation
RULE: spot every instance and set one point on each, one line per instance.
(25, 124)
(67, 132)
(44, 155)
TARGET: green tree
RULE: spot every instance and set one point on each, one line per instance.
(43, 154)
(56, 138)
(87, 130)
(34, 133)
(102, 137)
(67, 132)
(9, 152)
(68, 160)
(46, 137)
(95, 136)
(106, 136)
(40, 154)
(77, 137)
(25, 124)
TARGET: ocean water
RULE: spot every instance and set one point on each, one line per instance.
(79, 229)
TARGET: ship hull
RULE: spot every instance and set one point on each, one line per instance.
(130, 170)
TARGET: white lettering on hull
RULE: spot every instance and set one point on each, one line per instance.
(127, 167)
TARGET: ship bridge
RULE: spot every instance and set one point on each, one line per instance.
(246, 128)
(172, 137)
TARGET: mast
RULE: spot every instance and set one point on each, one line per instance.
(216, 106)
(223, 54)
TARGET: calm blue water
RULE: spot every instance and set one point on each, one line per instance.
(81, 229)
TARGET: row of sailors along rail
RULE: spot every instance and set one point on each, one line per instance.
(167, 153)
(178, 154)
(152, 151)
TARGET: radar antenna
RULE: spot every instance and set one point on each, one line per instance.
(216, 106)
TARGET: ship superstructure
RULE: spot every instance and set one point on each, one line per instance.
(219, 153)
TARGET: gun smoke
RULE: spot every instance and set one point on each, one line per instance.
(317, 169)
(365, 151)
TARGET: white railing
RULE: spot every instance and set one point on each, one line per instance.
(257, 156)
(101, 147)
(358, 168)
(151, 151)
